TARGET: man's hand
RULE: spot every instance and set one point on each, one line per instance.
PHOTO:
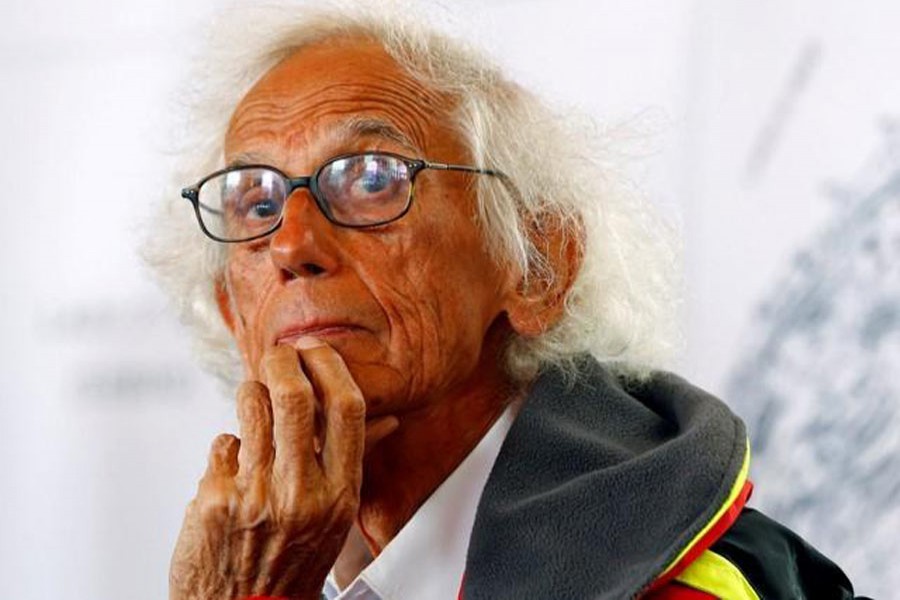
(274, 507)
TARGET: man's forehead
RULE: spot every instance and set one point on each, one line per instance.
(334, 92)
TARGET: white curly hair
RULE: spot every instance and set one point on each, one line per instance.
(623, 307)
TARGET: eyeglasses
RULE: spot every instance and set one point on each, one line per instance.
(245, 203)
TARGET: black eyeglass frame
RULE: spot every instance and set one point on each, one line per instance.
(310, 182)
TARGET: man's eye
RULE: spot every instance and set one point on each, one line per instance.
(373, 182)
(263, 209)
(260, 202)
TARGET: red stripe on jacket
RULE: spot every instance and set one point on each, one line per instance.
(660, 589)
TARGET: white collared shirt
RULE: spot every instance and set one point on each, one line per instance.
(427, 558)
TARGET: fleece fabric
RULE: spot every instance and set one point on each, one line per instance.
(600, 483)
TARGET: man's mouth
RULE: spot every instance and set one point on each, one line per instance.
(325, 331)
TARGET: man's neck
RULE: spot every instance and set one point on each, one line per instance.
(354, 557)
(403, 470)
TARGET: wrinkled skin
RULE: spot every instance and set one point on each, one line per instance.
(273, 522)
(386, 338)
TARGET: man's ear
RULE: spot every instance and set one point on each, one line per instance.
(538, 302)
(223, 301)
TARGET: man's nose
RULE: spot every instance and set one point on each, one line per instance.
(304, 245)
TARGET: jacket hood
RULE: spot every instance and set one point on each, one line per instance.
(601, 485)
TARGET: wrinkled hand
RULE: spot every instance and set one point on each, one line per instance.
(274, 507)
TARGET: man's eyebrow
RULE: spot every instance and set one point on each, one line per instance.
(368, 127)
(242, 159)
(354, 128)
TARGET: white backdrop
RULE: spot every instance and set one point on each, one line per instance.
(766, 124)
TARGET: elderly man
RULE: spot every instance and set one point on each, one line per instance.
(445, 316)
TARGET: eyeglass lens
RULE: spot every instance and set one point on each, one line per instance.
(358, 191)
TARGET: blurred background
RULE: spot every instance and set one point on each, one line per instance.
(769, 131)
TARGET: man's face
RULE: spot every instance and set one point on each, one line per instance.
(414, 307)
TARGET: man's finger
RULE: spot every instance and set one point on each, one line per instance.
(344, 410)
(223, 456)
(255, 416)
(216, 493)
(293, 412)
